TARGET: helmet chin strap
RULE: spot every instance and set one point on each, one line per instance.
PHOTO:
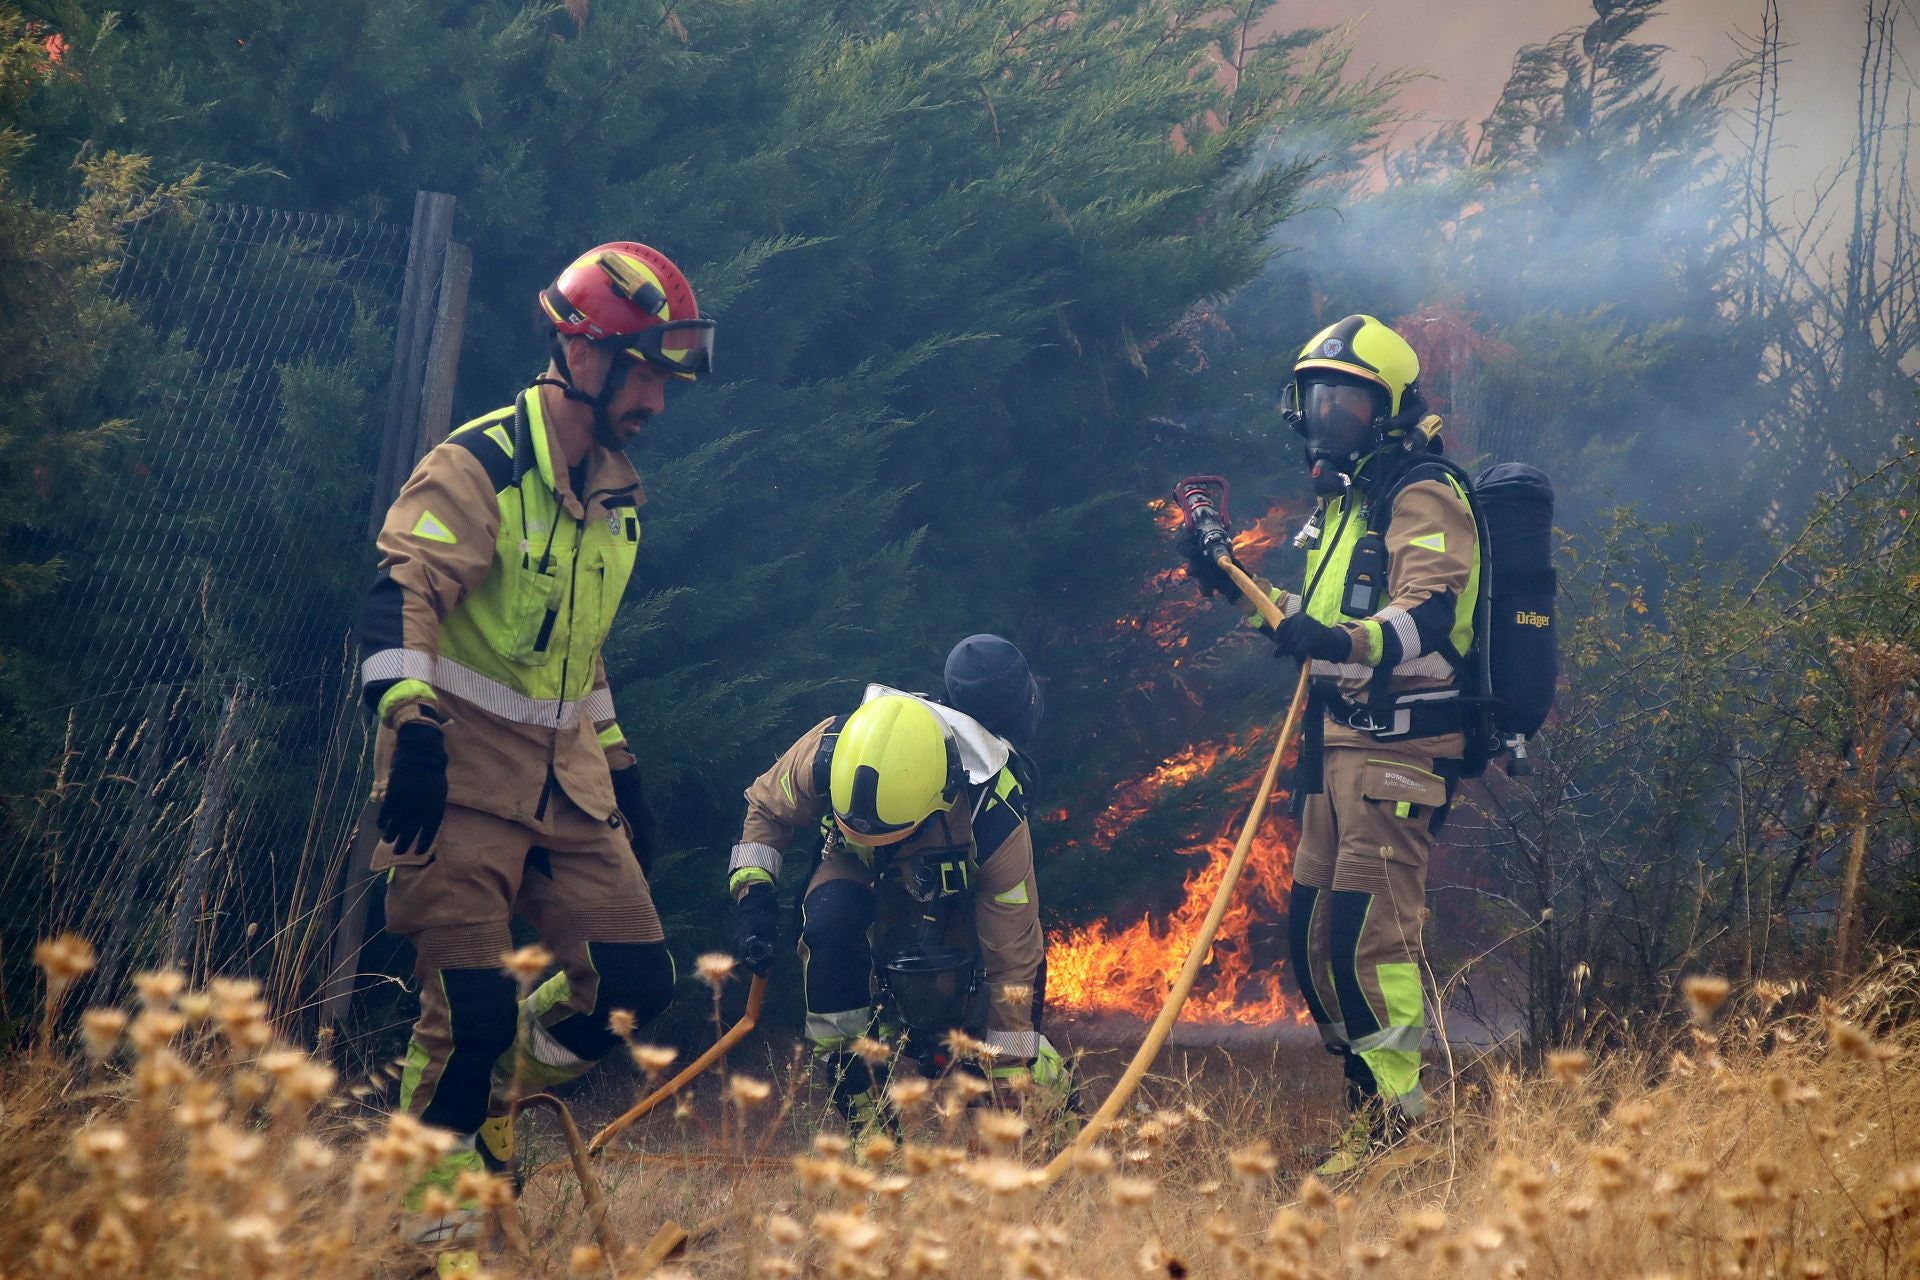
(603, 432)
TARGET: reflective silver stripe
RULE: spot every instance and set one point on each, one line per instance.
(1401, 1039)
(1427, 665)
(397, 664)
(1293, 606)
(599, 705)
(1402, 623)
(1014, 1044)
(830, 1032)
(550, 1052)
(1334, 1034)
(749, 853)
(509, 704)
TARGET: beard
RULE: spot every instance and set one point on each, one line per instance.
(606, 433)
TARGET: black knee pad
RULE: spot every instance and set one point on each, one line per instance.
(635, 976)
(1348, 913)
(483, 1009)
(834, 920)
(1300, 906)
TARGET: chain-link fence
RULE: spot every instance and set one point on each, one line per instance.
(203, 765)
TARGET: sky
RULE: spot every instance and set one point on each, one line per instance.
(1466, 48)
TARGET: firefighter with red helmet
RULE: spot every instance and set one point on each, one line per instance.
(504, 781)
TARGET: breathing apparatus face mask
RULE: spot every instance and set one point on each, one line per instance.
(1341, 423)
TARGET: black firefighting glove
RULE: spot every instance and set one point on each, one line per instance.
(631, 796)
(756, 927)
(1204, 570)
(416, 798)
(1303, 638)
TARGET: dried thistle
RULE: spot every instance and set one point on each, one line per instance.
(525, 964)
(713, 968)
(848, 1231)
(906, 1092)
(1000, 1128)
(100, 1031)
(1254, 1163)
(745, 1091)
(158, 988)
(652, 1058)
(999, 1177)
(63, 959)
(1848, 1040)
(1569, 1066)
(1705, 994)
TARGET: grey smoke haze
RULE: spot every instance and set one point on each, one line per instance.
(1466, 48)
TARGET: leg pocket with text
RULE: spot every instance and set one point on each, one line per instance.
(1401, 799)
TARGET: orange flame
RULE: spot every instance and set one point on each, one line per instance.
(1104, 969)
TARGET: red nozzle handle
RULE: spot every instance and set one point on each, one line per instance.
(1203, 505)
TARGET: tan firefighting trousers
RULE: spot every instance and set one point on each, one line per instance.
(574, 878)
(845, 915)
(1359, 901)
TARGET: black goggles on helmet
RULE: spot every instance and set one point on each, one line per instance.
(683, 347)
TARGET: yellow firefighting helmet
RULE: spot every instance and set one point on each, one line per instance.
(1355, 387)
(1362, 347)
(894, 766)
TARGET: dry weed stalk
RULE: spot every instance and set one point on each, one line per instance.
(1770, 1145)
(184, 1141)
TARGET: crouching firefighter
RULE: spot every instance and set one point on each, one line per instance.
(1392, 584)
(926, 866)
(504, 780)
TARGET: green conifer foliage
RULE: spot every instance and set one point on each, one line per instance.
(947, 246)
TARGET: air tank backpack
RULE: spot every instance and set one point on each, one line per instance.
(1513, 668)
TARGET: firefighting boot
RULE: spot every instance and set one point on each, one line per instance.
(443, 1225)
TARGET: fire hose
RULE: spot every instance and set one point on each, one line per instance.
(1206, 513)
(671, 1236)
(756, 996)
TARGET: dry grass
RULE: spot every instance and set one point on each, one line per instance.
(1778, 1138)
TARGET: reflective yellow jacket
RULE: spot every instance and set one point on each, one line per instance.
(496, 589)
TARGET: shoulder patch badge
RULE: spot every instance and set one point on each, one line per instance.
(430, 527)
(1435, 541)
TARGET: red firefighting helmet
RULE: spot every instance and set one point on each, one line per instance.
(631, 298)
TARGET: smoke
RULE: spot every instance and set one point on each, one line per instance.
(1608, 262)
(1464, 58)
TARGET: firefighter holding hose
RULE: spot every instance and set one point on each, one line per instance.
(1385, 620)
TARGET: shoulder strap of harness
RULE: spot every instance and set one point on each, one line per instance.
(1429, 467)
(823, 758)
